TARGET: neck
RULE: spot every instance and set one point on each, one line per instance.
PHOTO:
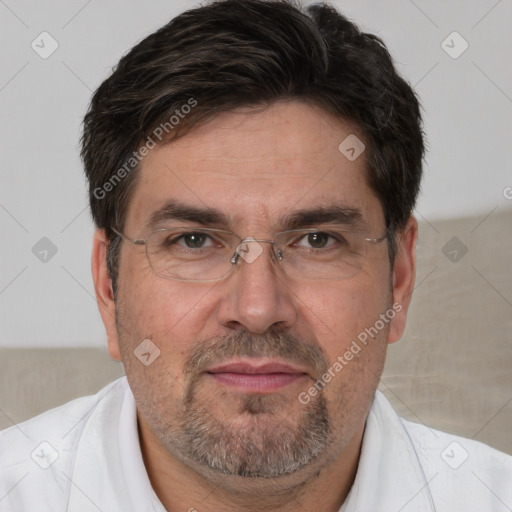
(185, 486)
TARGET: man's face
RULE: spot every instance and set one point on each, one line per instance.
(230, 391)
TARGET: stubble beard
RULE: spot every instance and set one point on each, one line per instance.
(267, 446)
(261, 439)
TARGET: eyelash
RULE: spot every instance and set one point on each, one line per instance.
(338, 238)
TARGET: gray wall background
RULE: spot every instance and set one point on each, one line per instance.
(47, 298)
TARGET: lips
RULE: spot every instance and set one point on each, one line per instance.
(255, 369)
(258, 377)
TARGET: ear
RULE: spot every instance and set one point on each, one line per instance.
(404, 275)
(104, 293)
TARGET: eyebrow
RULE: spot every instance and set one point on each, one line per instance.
(334, 214)
(211, 217)
(174, 210)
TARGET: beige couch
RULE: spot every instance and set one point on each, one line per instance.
(451, 371)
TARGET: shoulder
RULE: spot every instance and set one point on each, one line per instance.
(461, 473)
(459, 459)
(63, 423)
(37, 456)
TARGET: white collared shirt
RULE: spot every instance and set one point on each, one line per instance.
(85, 456)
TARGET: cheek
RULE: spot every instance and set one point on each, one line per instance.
(339, 313)
(169, 313)
(156, 304)
(164, 313)
(341, 310)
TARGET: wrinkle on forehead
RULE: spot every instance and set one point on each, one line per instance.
(260, 165)
(277, 130)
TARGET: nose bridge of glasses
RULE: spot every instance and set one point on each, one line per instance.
(251, 252)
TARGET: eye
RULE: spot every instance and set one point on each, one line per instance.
(193, 240)
(317, 240)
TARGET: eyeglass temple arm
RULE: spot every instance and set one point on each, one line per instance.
(134, 241)
(380, 239)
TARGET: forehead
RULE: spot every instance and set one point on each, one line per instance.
(257, 166)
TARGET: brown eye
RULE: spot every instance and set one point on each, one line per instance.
(194, 240)
(316, 240)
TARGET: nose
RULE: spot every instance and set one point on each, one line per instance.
(256, 295)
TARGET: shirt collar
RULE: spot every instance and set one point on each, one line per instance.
(389, 476)
(109, 471)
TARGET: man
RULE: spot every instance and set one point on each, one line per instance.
(252, 169)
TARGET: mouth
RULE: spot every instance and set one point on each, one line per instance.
(256, 376)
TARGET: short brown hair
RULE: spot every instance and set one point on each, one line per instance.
(234, 53)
